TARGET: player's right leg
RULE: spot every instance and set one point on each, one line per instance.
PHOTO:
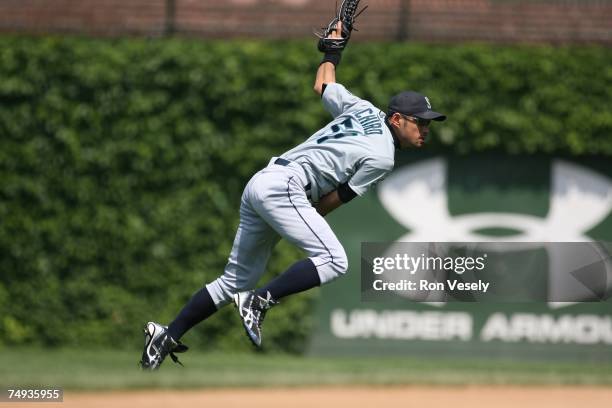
(250, 252)
(158, 345)
(254, 242)
(249, 256)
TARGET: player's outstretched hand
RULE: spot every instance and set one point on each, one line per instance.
(337, 31)
(335, 37)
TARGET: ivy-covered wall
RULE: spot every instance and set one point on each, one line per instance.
(122, 161)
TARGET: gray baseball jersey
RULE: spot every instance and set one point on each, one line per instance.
(356, 147)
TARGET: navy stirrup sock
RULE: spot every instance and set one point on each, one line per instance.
(300, 276)
(197, 309)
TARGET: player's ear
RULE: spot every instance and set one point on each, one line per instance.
(394, 119)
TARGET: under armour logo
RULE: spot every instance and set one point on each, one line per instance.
(580, 199)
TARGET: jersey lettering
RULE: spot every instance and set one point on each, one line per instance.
(339, 130)
(369, 121)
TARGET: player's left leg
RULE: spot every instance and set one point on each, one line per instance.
(282, 203)
(298, 222)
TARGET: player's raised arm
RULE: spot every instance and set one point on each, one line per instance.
(333, 40)
(326, 74)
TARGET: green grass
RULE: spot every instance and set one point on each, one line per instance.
(112, 370)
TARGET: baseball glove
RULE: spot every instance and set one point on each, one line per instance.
(347, 13)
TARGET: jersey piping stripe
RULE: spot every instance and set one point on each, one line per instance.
(309, 227)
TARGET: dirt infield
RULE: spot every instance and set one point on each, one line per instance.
(376, 397)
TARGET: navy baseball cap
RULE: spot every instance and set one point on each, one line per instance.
(412, 103)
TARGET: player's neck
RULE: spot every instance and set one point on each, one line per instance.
(396, 141)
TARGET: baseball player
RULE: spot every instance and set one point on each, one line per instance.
(291, 195)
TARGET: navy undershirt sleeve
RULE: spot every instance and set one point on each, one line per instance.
(345, 193)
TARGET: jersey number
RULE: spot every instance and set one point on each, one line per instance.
(339, 130)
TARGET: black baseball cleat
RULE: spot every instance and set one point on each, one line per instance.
(158, 344)
(252, 309)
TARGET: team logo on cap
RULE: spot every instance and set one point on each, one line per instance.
(428, 103)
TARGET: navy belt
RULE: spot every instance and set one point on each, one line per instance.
(284, 162)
